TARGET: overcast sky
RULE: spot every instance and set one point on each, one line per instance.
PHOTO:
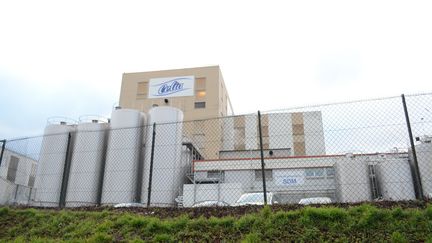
(61, 58)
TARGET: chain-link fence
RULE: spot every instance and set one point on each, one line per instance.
(346, 152)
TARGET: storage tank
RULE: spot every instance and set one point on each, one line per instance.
(51, 162)
(86, 165)
(352, 181)
(395, 178)
(424, 159)
(125, 143)
(168, 170)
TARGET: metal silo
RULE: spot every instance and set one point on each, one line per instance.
(424, 158)
(51, 164)
(352, 180)
(125, 143)
(168, 170)
(86, 165)
(394, 175)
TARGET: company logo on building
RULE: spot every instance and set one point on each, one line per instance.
(289, 177)
(171, 87)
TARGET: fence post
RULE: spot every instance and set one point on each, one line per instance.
(140, 168)
(2, 150)
(66, 170)
(416, 173)
(151, 165)
(262, 159)
(102, 171)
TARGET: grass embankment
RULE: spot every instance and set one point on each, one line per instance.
(359, 223)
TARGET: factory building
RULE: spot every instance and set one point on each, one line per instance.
(200, 93)
(17, 177)
(201, 152)
(301, 132)
(343, 178)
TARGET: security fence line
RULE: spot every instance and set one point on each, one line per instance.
(415, 168)
(346, 152)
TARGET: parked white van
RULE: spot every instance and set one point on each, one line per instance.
(257, 198)
(315, 200)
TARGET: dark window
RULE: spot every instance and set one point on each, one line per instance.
(314, 173)
(13, 167)
(142, 90)
(268, 175)
(200, 105)
(330, 173)
(214, 174)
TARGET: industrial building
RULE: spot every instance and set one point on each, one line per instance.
(343, 178)
(17, 177)
(200, 93)
(112, 166)
(174, 138)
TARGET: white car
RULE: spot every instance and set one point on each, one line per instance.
(315, 200)
(256, 198)
(130, 205)
(210, 203)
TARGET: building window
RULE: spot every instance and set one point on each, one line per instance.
(200, 105)
(142, 90)
(298, 129)
(268, 175)
(330, 173)
(299, 148)
(12, 169)
(214, 174)
(200, 83)
(315, 173)
(200, 93)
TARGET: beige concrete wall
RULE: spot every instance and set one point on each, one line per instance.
(134, 91)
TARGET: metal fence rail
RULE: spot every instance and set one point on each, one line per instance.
(346, 152)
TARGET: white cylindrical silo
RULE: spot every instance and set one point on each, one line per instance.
(352, 180)
(51, 164)
(394, 175)
(86, 164)
(168, 169)
(125, 145)
(424, 159)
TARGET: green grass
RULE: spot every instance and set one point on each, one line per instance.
(359, 223)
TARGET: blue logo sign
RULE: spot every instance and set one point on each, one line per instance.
(289, 181)
(171, 86)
